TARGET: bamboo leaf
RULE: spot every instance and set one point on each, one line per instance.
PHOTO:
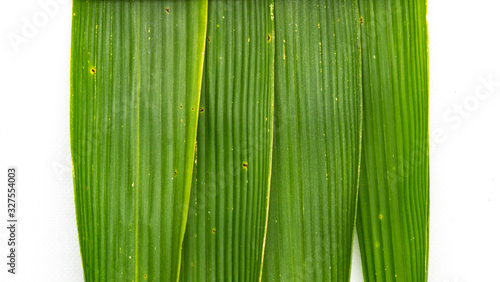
(136, 70)
(317, 140)
(228, 209)
(393, 218)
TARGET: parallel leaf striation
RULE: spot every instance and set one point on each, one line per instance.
(316, 151)
(230, 193)
(136, 71)
(393, 211)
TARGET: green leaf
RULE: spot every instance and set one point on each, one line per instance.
(136, 70)
(317, 136)
(230, 194)
(393, 217)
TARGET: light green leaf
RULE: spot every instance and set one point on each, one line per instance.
(317, 137)
(136, 70)
(393, 217)
(230, 194)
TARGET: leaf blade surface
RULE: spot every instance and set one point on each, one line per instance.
(393, 210)
(230, 193)
(135, 75)
(317, 135)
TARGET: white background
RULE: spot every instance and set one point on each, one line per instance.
(464, 130)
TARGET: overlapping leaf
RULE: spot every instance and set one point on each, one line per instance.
(135, 85)
(317, 135)
(136, 70)
(393, 217)
(230, 194)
